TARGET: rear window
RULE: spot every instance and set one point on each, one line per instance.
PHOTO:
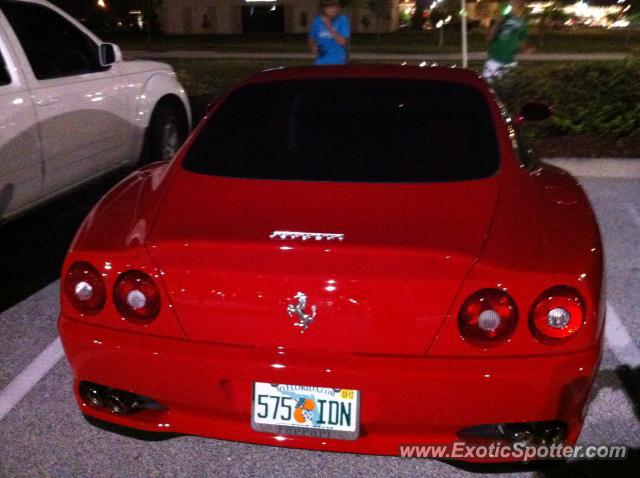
(355, 130)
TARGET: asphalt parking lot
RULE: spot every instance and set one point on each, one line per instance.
(42, 433)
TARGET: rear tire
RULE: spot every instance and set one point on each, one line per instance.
(165, 135)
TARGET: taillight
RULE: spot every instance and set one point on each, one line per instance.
(557, 314)
(84, 287)
(488, 317)
(136, 296)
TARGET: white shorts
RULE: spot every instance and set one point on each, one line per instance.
(494, 70)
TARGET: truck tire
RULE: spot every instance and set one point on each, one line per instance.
(166, 133)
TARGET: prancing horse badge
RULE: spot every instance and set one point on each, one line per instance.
(304, 319)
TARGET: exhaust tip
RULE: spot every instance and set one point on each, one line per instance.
(544, 433)
(118, 402)
(92, 395)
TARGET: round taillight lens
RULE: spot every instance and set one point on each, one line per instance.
(84, 287)
(488, 317)
(557, 314)
(136, 296)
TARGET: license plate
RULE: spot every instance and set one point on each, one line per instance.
(306, 411)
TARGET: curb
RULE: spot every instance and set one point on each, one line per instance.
(599, 167)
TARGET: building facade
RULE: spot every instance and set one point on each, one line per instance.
(193, 17)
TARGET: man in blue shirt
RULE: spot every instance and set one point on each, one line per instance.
(329, 34)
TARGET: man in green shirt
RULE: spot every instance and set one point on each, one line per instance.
(506, 39)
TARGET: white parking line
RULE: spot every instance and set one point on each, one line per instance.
(617, 338)
(29, 377)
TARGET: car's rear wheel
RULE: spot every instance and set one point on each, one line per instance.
(167, 131)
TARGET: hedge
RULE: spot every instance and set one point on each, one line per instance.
(593, 98)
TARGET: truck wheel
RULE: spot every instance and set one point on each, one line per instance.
(165, 135)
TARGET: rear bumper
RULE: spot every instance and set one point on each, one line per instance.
(206, 388)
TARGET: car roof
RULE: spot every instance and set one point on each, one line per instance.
(384, 71)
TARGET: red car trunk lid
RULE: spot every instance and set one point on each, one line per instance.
(384, 289)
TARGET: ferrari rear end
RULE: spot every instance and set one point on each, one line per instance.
(344, 259)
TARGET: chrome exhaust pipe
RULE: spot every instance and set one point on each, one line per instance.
(120, 403)
(552, 435)
(92, 395)
(551, 432)
(521, 437)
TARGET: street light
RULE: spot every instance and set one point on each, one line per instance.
(102, 4)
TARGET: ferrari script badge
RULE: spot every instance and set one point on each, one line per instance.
(306, 236)
(304, 319)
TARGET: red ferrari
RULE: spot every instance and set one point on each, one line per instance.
(344, 258)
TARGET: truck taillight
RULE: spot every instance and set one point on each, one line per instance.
(84, 288)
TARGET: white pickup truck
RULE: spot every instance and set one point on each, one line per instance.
(72, 110)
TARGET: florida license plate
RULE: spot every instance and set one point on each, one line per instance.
(306, 411)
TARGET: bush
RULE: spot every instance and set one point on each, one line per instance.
(592, 98)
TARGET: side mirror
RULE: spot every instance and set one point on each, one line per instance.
(109, 54)
(535, 112)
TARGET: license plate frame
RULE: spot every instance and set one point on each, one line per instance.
(290, 427)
